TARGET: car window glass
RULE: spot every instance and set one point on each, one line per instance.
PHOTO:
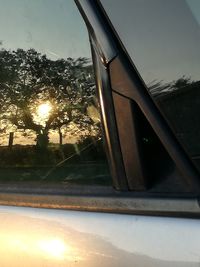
(163, 39)
(50, 124)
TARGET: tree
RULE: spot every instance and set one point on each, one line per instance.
(29, 79)
(159, 88)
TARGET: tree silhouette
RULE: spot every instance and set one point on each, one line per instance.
(159, 89)
(29, 79)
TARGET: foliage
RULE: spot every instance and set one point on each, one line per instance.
(28, 79)
(159, 88)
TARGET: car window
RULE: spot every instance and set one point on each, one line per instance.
(162, 38)
(50, 123)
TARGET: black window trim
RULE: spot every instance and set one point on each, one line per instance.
(110, 131)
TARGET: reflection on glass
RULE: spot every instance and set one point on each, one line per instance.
(164, 45)
(49, 119)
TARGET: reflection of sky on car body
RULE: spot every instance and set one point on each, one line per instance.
(47, 26)
(97, 239)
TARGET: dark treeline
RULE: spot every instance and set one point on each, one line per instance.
(179, 102)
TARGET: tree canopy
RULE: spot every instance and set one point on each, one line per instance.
(28, 79)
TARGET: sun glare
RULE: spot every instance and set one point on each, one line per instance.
(43, 110)
(55, 247)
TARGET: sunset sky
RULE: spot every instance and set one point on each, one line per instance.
(52, 27)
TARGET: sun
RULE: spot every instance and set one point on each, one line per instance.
(44, 110)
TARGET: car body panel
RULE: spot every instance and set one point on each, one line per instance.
(50, 237)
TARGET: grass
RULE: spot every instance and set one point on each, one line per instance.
(54, 165)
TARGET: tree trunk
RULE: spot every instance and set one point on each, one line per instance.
(60, 143)
(42, 140)
(60, 137)
(11, 139)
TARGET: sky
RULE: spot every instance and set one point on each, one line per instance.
(55, 28)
